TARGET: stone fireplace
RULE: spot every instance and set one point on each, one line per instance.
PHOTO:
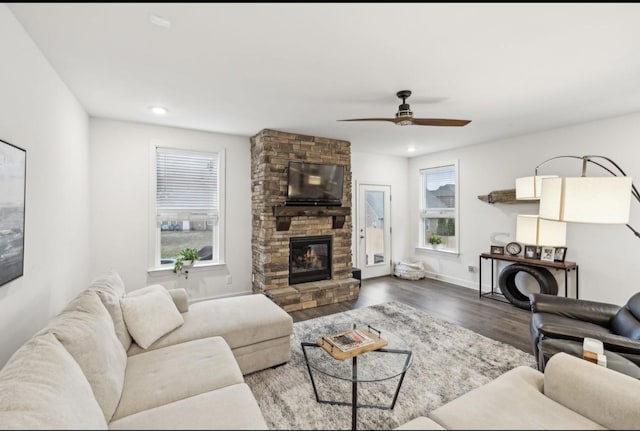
(301, 255)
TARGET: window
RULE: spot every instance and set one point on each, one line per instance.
(439, 206)
(187, 203)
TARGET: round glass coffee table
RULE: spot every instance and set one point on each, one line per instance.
(383, 363)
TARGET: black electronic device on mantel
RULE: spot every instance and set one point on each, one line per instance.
(315, 184)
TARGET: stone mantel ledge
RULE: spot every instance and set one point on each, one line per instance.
(283, 214)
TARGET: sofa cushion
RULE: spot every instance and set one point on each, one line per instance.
(240, 320)
(86, 330)
(43, 387)
(110, 289)
(149, 314)
(514, 400)
(176, 372)
(603, 395)
(231, 407)
(420, 423)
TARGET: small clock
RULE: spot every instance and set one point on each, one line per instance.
(513, 248)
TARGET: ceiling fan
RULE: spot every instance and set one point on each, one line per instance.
(404, 116)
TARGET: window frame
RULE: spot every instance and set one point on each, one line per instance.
(422, 216)
(154, 250)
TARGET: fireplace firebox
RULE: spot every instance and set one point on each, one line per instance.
(309, 259)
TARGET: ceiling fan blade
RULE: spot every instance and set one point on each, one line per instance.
(393, 120)
(439, 122)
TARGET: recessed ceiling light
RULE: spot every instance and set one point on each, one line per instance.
(158, 110)
(159, 21)
(411, 149)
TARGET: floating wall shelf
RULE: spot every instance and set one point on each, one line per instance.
(507, 196)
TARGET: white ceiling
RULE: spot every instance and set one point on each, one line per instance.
(238, 68)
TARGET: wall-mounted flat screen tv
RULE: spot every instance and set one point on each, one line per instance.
(315, 184)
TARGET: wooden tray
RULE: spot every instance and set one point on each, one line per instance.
(335, 351)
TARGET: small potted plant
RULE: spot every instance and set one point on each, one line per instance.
(434, 240)
(186, 258)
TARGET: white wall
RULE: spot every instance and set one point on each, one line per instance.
(384, 170)
(120, 231)
(39, 114)
(607, 255)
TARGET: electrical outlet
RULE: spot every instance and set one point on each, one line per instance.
(472, 268)
(229, 279)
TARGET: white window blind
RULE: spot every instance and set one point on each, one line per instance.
(438, 211)
(187, 185)
(439, 188)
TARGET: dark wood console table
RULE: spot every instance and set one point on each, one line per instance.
(494, 294)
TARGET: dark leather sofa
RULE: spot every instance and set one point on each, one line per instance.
(574, 319)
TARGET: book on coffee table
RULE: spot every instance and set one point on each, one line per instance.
(353, 342)
(349, 340)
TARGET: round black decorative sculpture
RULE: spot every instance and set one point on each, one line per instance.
(507, 283)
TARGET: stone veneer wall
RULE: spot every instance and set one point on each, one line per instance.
(271, 152)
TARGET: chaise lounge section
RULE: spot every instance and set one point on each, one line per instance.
(257, 331)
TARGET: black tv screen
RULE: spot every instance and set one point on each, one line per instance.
(315, 184)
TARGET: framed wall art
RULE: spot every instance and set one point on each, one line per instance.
(13, 163)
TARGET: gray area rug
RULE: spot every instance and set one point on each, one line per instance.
(448, 361)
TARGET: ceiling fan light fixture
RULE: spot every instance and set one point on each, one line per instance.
(404, 116)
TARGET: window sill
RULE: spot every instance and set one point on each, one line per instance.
(438, 250)
(195, 268)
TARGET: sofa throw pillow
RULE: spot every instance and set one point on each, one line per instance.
(110, 289)
(150, 314)
(43, 387)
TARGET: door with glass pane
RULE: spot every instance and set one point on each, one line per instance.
(374, 230)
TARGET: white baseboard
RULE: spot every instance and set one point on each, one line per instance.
(453, 280)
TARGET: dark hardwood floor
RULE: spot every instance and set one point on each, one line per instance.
(494, 319)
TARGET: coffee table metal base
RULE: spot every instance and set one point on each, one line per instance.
(354, 383)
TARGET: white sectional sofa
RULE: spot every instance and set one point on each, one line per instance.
(571, 394)
(87, 370)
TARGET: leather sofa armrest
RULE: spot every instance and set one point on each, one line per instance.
(612, 342)
(599, 313)
(180, 298)
(620, 344)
